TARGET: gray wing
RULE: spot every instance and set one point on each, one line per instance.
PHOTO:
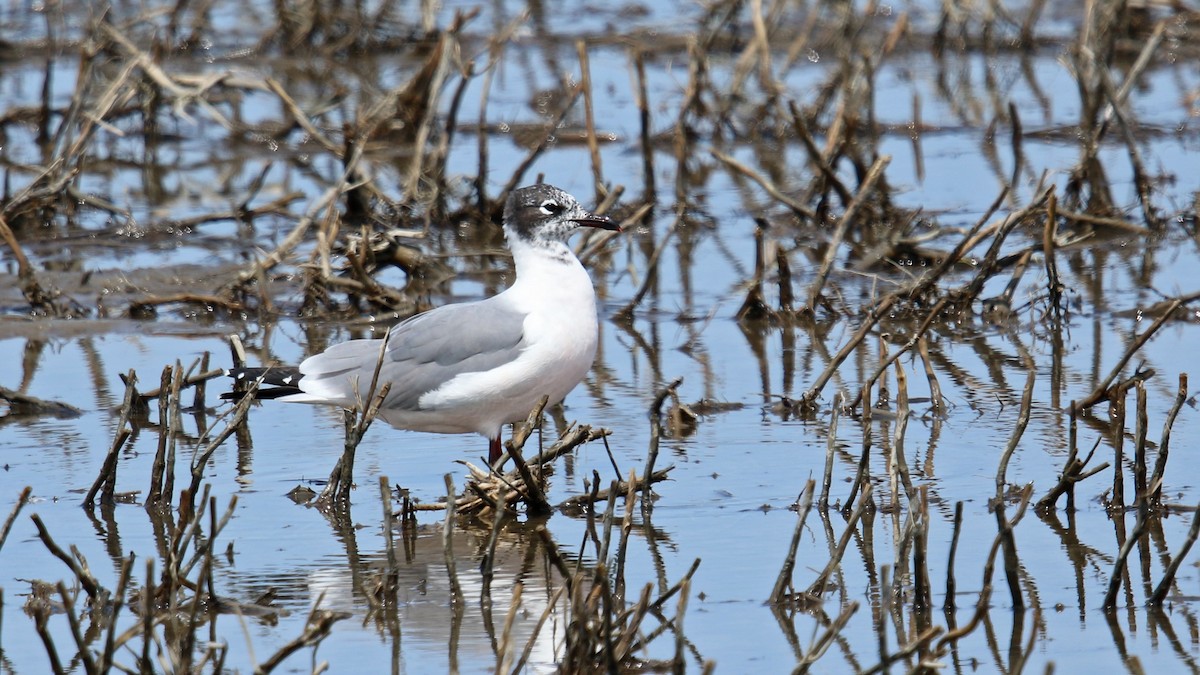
(423, 353)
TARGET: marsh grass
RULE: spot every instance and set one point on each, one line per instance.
(136, 76)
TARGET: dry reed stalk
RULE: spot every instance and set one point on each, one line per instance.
(175, 416)
(982, 606)
(40, 615)
(302, 119)
(1102, 391)
(200, 389)
(951, 584)
(504, 648)
(195, 540)
(1120, 571)
(990, 263)
(107, 478)
(1160, 462)
(1002, 305)
(822, 642)
(754, 306)
(535, 496)
(589, 117)
(643, 639)
(155, 74)
(631, 499)
(388, 518)
(862, 476)
(817, 158)
(1102, 221)
(879, 310)
(898, 462)
(650, 275)
(238, 416)
(431, 78)
(456, 594)
(590, 516)
(679, 663)
(22, 500)
(1141, 180)
(1121, 94)
(522, 432)
(485, 485)
(1018, 431)
(1026, 37)
(1117, 431)
(642, 100)
(620, 487)
(830, 447)
(783, 582)
(82, 651)
(38, 298)
(1139, 445)
(1072, 473)
(317, 627)
(290, 242)
(766, 184)
(882, 306)
(337, 492)
(656, 430)
(1164, 584)
(1049, 234)
(1017, 142)
(936, 400)
(865, 190)
(75, 562)
(818, 585)
(783, 271)
(604, 541)
(486, 567)
(155, 493)
(1012, 561)
(118, 603)
(544, 140)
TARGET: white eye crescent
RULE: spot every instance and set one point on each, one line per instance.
(551, 207)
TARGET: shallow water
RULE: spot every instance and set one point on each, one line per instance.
(727, 499)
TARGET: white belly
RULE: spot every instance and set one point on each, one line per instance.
(561, 334)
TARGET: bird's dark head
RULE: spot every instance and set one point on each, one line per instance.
(546, 213)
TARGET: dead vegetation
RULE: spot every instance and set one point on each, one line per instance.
(390, 197)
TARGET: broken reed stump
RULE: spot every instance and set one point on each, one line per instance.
(336, 494)
(22, 500)
(107, 478)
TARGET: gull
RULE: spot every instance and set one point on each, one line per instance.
(473, 366)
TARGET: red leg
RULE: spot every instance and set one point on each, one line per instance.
(494, 450)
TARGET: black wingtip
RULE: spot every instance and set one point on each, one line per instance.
(275, 382)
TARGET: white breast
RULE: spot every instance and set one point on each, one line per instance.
(556, 295)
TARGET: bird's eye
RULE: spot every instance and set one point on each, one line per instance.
(551, 207)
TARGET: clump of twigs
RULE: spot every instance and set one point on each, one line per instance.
(523, 488)
(158, 625)
(904, 588)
